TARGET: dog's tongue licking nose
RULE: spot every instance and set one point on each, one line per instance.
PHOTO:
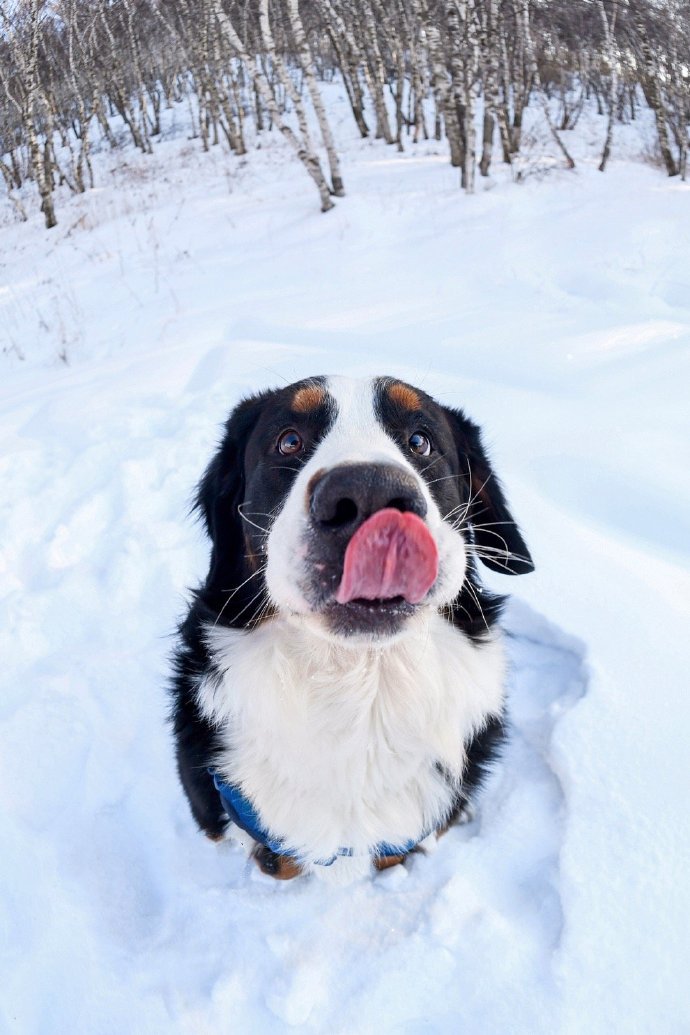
(391, 555)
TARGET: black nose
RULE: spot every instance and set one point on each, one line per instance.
(344, 497)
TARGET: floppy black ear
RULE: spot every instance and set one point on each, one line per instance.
(220, 492)
(497, 536)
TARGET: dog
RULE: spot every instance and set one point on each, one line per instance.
(339, 679)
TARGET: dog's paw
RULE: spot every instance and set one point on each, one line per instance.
(384, 862)
(215, 836)
(460, 816)
(281, 867)
(465, 815)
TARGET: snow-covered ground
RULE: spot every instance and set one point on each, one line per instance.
(557, 311)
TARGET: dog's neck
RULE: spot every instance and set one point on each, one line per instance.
(304, 641)
(344, 745)
(430, 659)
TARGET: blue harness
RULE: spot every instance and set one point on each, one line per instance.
(241, 811)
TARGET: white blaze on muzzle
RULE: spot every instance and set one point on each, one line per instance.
(395, 556)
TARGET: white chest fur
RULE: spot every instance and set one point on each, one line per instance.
(337, 746)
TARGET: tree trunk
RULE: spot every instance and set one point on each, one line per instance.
(612, 58)
(308, 158)
(493, 109)
(378, 74)
(355, 61)
(536, 78)
(650, 86)
(470, 90)
(42, 175)
(350, 74)
(440, 86)
(305, 60)
(457, 108)
(487, 143)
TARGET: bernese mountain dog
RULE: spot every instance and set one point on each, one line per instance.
(339, 679)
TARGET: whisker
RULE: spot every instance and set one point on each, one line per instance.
(465, 611)
(474, 495)
(466, 511)
(484, 483)
(447, 478)
(244, 517)
(498, 536)
(262, 611)
(428, 467)
(252, 576)
(239, 613)
(490, 524)
(454, 510)
(457, 524)
(455, 605)
(495, 553)
(473, 593)
(497, 550)
(232, 593)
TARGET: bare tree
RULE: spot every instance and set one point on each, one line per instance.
(612, 60)
(305, 59)
(308, 158)
(70, 68)
(536, 78)
(29, 101)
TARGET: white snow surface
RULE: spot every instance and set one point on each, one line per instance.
(557, 312)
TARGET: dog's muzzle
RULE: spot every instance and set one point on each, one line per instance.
(373, 553)
(344, 497)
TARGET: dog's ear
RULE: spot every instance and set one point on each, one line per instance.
(221, 491)
(497, 536)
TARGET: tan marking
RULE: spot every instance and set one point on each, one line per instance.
(308, 398)
(384, 862)
(404, 396)
(280, 867)
(288, 869)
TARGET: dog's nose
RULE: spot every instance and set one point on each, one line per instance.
(344, 497)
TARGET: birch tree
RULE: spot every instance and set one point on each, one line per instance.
(68, 68)
(31, 106)
(652, 91)
(306, 156)
(305, 59)
(536, 78)
(612, 60)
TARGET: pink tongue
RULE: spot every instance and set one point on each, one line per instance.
(392, 554)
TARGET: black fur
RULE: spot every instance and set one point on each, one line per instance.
(463, 483)
(482, 753)
(233, 594)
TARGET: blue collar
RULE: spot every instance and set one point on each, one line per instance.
(241, 811)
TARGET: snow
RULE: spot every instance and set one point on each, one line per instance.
(557, 311)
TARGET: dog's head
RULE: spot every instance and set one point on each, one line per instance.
(353, 504)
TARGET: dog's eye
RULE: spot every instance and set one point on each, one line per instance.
(420, 443)
(290, 442)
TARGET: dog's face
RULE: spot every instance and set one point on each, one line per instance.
(353, 505)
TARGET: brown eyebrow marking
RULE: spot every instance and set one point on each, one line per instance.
(308, 398)
(404, 396)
